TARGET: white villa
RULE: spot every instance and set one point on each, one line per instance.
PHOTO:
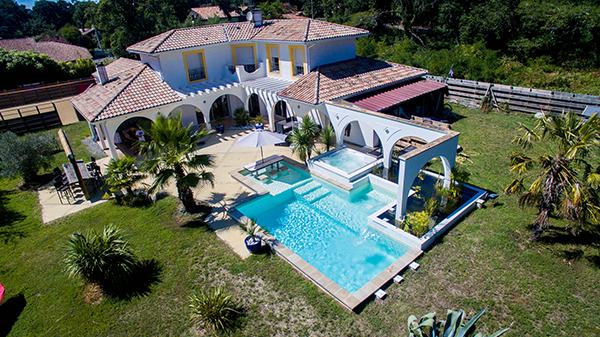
(282, 70)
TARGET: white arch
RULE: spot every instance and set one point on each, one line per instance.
(410, 164)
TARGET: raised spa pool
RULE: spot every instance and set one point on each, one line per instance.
(327, 227)
(343, 164)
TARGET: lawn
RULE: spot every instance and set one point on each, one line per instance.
(486, 261)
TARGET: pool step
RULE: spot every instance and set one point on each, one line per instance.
(380, 196)
(316, 194)
(306, 188)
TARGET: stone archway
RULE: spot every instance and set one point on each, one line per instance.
(357, 134)
(403, 145)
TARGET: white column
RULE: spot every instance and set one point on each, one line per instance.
(111, 142)
(403, 190)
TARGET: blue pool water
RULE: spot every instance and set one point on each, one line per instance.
(327, 227)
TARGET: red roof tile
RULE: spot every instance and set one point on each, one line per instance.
(208, 12)
(389, 98)
(59, 52)
(302, 30)
(348, 78)
(128, 90)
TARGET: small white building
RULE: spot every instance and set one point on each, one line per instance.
(280, 69)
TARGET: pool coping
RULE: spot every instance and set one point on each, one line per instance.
(347, 300)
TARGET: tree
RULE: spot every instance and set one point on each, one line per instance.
(327, 138)
(303, 138)
(54, 13)
(70, 33)
(24, 156)
(563, 179)
(170, 155)
(12, 16)
(122, 174)
(272, 10)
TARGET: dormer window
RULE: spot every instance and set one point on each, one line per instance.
(297, 60)
(244, 55)
(195, 66)
(273, 57)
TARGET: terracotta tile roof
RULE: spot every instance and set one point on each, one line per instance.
(59, 52)
(208, 12)
(119, 65)
(129, 90)
(348, 78)
(301, 30)
(397, 95)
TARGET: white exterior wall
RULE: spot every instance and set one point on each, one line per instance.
(217, 57)
(331, 51)
(154, 63)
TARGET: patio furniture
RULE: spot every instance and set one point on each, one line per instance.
(63, 190)
(285, 125)
(274, 173)
(257, 165)
(70, 172)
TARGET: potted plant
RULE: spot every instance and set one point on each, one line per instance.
(253, 240)
(219, 124)
(259, 121)
(241, 116)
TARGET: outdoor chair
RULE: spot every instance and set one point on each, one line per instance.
(63, 191)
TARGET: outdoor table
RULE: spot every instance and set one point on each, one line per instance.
(70, 172)
(257, 165)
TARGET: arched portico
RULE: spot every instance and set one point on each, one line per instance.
(411, 163)
(125, 137)
(190, 114)
(224, 105)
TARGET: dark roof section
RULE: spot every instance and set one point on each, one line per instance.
(397, 95)
(301, 30)
(59, 52)
(133, 86)
(348, 78)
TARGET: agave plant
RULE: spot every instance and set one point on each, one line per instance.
(214, 310)
(454, 326)
(101, 258)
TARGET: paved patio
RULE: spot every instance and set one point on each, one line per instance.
(225, 192)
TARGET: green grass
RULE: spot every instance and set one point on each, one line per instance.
(547, 288)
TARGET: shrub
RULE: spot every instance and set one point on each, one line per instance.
(417, 223)
(241, 116)
(122, 175)
(214, 310)
(101, 258)
(24, 156)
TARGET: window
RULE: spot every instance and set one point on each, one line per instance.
(244, 54)
(297, 60)
(195, 66)
(273, 57)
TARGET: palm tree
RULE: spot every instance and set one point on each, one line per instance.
(170, 155)
(564, 180)
(101, 258)
(122, 174)
(303, 138)
(327, 138)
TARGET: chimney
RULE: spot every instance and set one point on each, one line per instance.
(257, 17)
(101, 69)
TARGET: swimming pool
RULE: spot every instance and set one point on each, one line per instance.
(327, 226)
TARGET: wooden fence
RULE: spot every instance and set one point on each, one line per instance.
(516, 98)
(30, 119)
(18, 97)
